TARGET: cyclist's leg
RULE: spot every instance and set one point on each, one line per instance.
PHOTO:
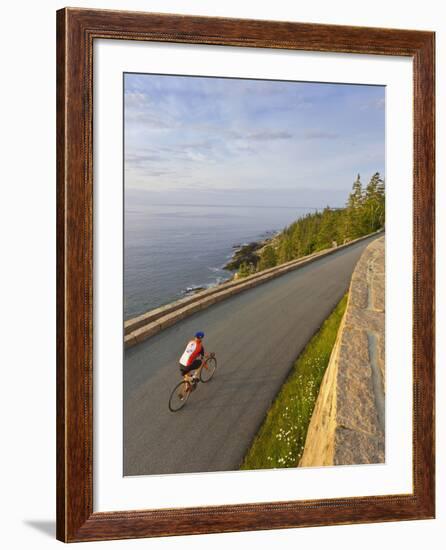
(186, 377)
(184, 371)
(195, 366)
(187, 372)
(190, 372)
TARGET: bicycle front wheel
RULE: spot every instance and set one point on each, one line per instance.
(208, 369)
(179, 396)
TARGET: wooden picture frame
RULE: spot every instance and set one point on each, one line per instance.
(76, 31)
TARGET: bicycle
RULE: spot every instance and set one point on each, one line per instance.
(181, 392)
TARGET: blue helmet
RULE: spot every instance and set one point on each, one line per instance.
(199, 334)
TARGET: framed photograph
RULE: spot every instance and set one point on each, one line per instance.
(245, 276)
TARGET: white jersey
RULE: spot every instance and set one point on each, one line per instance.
(190, 353)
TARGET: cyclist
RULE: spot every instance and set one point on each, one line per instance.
(192, 357)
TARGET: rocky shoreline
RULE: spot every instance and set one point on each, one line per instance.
(246, 253)
(242, 253)
(249, 252)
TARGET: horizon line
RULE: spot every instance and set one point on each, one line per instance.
(247, 205)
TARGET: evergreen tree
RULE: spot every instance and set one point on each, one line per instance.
(356, 196)
(374, 203)
(354, 226)
(364, 213)
(245, 270)
(285, 250)
(327, 231)
(382, 197)
(295, 233)
(268, 258)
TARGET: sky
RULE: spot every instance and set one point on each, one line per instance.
(220, 140)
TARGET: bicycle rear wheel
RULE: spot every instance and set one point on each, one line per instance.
(208, 369)
(179, 396)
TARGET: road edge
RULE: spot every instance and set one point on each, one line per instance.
(142, 327)
(348, 424)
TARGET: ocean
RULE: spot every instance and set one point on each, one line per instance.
(170, 248)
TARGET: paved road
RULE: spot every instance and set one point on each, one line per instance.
(256, 336)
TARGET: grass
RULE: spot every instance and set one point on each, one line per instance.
(280, 441)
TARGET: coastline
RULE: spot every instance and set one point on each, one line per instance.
(150, 323)
(237, 254)
(247, 251)
(250, 252)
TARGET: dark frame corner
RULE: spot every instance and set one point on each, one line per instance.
(76, 31)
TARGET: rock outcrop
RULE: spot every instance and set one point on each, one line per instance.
(348, 422)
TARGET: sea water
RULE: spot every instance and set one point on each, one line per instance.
(171, 249)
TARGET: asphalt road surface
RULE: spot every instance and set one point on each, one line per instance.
(256, 335)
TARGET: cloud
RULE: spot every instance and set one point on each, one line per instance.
(377, 104)
(320, 134)
(150, 120)
(140, 110)
(202, 145)
(174, 160)
(269, 135)
(141, 159)
(227, 132)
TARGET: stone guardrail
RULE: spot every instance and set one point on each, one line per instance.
(148, 324)
(348, 421)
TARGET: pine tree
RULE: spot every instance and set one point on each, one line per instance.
(268, 258)
(364, 213)
(327, 231)
(354, 226)
(374, 204)
(356, 196)
(285, 253)
(245, 270)
(382, 198)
